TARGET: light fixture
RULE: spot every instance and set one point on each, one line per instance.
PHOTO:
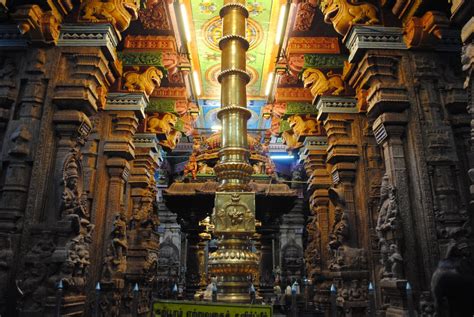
(197, 84)
(268, 88)
(184, 17)
(216, 127)
(282, 157)
(281, 21)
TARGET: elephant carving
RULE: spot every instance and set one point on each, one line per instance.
(119, 12)
(146, 81)
(342, 14)
(320, 84)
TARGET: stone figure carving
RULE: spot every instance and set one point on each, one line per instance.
(452, 282)
(343, 257)
(312, 254)
(340, 229)
(303, 126)
(320, 84)
(162, 124)
(343, 14)
(203, 168)
(115, 260)
(191, 167)
(386, 229)
(73, 200)
(32, 283)
(119, 12)
(291, 140)
(396, 261)
(172, 139)
(146, 81)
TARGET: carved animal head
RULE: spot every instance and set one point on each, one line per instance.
(311, 76)
(330, 9)
(170, 119)
(132, 7)
(154, 75)
(294, 120)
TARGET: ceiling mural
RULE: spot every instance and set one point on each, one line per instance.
(208, 31)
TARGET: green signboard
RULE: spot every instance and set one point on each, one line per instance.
(164, 308)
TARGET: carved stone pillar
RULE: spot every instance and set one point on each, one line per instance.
(347, 265)
(124, 110)
(318, 225)
(143, 239)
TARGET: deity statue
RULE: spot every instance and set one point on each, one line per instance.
(72, 200)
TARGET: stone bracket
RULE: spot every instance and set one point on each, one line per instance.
(361, 38)
(334, 104)
(136, 102)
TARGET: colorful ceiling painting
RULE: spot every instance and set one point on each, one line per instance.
(208, 31)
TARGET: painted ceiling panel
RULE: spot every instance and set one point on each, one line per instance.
(207, 26)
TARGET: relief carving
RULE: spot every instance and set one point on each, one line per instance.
(53, 259)
(115, 260)
(146, 81)
(234, 214)
(387, 230)
(191, 167)
(118, 12)
(154, 17)
(172, 139)
(343, 14)
(303, 126)
(320, 84)
(161, 123)
(342, 256)
(304, 16)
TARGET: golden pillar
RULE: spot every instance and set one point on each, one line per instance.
(234, 264)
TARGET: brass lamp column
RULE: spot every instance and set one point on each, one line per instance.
(234, 214)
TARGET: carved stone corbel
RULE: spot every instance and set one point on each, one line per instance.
(343, 14)
(119, 12)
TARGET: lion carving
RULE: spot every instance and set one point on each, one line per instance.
(171, 140)
(146, 81)
(119, 12)
(203, 168)
(163, 124)
(291, 140)
(302, 126)
(342, 15)
(320, 84)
